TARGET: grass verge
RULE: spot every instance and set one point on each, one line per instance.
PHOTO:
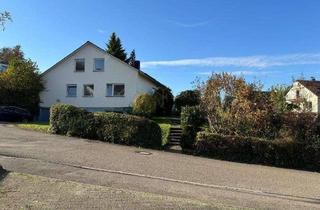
(165, 124)
(165, 130)
(37, 126)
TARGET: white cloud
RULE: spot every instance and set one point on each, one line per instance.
(259, 61)
(244, 73)
(101, 31)
(190, 25)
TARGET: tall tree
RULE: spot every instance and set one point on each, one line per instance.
(132, 58)
(7, 54)
(164, 101)
(21, 84)
(187, 98)
(4, 17)
(114, 47)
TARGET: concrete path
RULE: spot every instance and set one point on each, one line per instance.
(208, 181)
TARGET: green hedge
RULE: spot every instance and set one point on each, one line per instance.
(191, 120)
(110, 127)
(128, 129)
(282, 153)
(71, 121)
(302, 127)
(188, 137)
(192, 116)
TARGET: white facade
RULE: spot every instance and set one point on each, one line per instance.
(3, 67)
(57, 78)
(299, 93)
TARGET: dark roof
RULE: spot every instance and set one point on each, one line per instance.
(312, 85)
(145, 75)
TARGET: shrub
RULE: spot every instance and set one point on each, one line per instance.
(302, 127)
(144, 105)
(187, 98)
(69, 120)
(192, 115)
(188, 137)
(283, 153)
(164, 101)
(191, 120)
(111, 127)
(128, 130)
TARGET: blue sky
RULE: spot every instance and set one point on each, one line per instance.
(178, 40)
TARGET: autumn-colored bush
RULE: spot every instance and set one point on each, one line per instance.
(234, 107)
(144, 105)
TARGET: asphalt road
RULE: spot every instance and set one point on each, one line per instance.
(208, 181)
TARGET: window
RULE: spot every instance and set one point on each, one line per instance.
(118, 90)
(297, 94)
(98, 64)
(88, 90)
(80, 65)
(71, 90)
(309, 105)
(115, 90)
(109, 90)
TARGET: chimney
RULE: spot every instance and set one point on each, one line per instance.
(136, 65)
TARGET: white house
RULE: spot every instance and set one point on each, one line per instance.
(305, 93)
(91, 78)
(3, 67)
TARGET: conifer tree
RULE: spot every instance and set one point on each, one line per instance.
(114, 47)
(132, 58)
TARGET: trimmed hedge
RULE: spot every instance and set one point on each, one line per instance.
(282, 153)
(302, 127)
(111, 127)
(128, 129)
(71, 121)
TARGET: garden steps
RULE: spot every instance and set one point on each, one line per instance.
(175, 121)
(175, 136)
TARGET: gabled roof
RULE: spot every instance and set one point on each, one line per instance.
(143, 74)
(312, 85)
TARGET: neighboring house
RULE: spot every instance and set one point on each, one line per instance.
(305, 94)
(91, 78)
(3, 67)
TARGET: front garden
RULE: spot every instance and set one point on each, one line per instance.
(225, 118)
(237, 121)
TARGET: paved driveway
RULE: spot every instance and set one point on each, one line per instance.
(182, 176)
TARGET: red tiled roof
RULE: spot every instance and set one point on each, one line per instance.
(312, 85)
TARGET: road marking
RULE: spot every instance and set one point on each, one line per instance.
(221, 187)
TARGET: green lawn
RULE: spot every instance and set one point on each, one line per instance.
(165, 130)
(38, 126)
(165, 124)
(166, 120)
